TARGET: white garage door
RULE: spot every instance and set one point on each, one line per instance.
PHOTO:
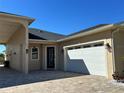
(88, 60)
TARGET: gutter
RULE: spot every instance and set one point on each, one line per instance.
(41, 41)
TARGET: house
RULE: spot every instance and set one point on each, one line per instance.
(98, 50)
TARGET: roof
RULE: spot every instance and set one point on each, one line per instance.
(41, 34)
(91, 30)
(19, 16)
(88, 29)
(120, 23)
(45, 35)
(12, 14)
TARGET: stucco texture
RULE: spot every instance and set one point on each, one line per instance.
(119, 53)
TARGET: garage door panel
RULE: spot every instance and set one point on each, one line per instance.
(80, 67)
(91, 60)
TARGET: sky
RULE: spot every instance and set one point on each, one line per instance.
(66, 16)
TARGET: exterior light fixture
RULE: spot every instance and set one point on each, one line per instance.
(108, 47)
(27, 50)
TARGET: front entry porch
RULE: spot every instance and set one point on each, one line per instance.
(14, 34)
(42, 55)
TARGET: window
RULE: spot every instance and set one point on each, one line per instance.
(77, 47)
(86, 46)
(70, 48)
(35, 53)
(99, 44)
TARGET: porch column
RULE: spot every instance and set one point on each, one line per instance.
(65, 58)
(26, 63)
(118, 51)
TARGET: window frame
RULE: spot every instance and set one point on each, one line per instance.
(37, 52)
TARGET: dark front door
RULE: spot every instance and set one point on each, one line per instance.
(50, 57)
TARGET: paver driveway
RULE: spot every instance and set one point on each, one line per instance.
(54, 82)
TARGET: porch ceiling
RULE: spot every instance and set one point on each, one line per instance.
(7, 29)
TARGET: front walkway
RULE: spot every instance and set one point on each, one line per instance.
(54, 82)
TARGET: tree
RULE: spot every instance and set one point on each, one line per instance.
(2, 56)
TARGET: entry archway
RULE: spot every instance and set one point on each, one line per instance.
(14, 33)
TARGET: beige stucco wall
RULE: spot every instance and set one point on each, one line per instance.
(36, 64)
(105, 36)
(118, 38)
(16, 49)
(16, 40)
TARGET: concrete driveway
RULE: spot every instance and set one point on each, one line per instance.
(54, 82)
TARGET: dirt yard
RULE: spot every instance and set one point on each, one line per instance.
(54, 82)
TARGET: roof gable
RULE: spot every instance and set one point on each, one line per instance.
(32, 36)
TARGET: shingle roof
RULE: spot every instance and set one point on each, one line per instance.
(45, 34)
(88, 29)
(13, 14)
